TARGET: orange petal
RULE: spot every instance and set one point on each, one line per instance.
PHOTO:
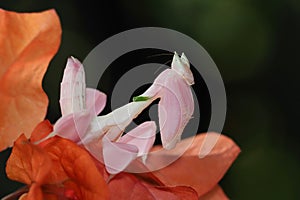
(28, 42)
(27, 162)
(41, 131)
(173, 193)
(86, 180)
(215, 194)
(35, 193)
(127, 186)
(57, 175)
(202, 174)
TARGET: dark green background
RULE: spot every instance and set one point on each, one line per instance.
(255, 45)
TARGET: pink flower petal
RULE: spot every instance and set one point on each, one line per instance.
(95, 100)
(72, 91)
(117, 156)
(73, 126)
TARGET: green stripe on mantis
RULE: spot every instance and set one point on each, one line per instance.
(140, 98)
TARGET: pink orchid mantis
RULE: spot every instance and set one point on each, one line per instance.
(176, 104)
(78, 103)
(80, 107)
(136, 143)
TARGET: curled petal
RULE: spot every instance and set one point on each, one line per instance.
(117, 156)
(73, 126)
(72, 90)
(95, 100)
(143, 137)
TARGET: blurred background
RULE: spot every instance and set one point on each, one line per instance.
(255, 45)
